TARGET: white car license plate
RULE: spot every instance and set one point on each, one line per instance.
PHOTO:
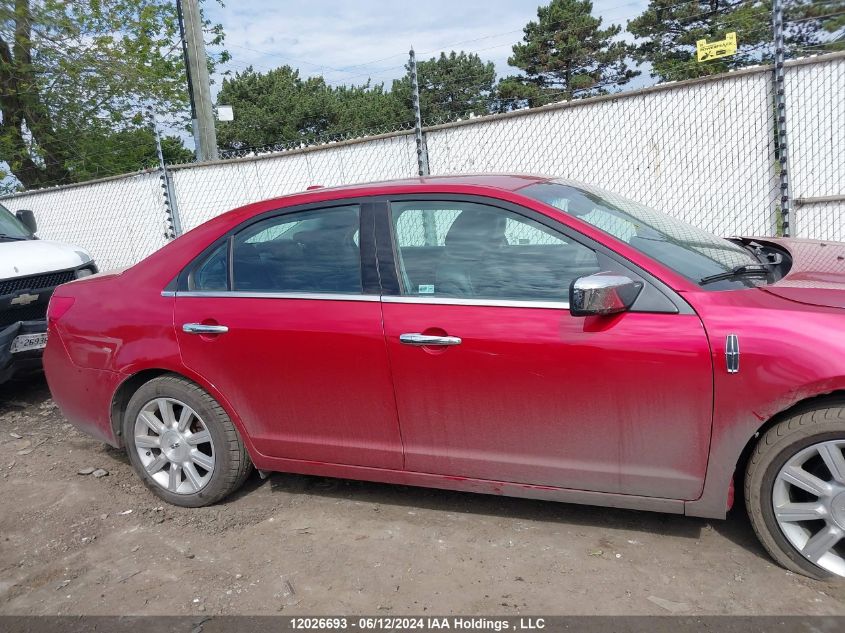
(27, 342)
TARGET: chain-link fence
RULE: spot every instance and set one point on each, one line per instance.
(702, 150)
(815, 105)
(118, 220)
(204, 191)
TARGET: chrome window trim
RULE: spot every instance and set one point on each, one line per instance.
(237, 294)
(459, 301)
(327, 296)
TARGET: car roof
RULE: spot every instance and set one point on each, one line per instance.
(506, 182)
(316, 193)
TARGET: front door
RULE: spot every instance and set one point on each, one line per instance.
(303, 359)
(496, 380)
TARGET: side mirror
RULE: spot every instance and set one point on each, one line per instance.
(27, 218)
(602, 293)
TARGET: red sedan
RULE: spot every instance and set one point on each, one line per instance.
(510, 335)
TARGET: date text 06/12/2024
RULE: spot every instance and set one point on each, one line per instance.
(418, 623)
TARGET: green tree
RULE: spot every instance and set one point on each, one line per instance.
(280, 107)
(100, 154)
(566, 53)
(81, 69)
(365, 109)
(451, 86)
(817, 25)
(669, 30)
(273, 107)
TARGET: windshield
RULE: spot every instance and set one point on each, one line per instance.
(693, 252)
(11, 227)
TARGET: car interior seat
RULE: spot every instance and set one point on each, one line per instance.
(332, 260)
(470, 266)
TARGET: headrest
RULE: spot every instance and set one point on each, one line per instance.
(335, 229)
(474, 225)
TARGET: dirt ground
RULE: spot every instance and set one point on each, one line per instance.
(77, 544)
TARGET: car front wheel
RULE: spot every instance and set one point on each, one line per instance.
(795, 492)
(182, 443)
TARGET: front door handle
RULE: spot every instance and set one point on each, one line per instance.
(415, 338)
(202, 328)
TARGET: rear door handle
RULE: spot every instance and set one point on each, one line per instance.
(202, 328)
(415, 338)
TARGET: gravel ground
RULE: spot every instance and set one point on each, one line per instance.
(80, 544)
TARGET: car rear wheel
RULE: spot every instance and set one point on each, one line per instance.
(182, 444)
(795, 492)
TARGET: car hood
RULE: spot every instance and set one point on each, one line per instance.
(817, 275)
(31, 257)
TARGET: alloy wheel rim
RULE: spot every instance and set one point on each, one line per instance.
(808, 500)
(174, 445)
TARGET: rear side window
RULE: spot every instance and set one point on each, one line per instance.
(212, 273)
(307, 251)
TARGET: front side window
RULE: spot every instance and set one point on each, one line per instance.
(693, 252)
(477, 251)
(308, 251)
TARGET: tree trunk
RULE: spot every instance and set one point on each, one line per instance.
(21, 104)
(568, 78)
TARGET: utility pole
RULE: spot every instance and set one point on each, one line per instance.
(199, 88)
(780, 117)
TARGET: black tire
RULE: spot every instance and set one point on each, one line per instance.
(780, 443)
(232, 463)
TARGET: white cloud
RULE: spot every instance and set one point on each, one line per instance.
(351, 41)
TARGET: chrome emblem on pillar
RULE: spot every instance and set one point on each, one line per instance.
(732, 353)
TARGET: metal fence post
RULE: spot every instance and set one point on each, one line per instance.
(422, 153)
(171, 208)
(429, 226)
(780, 117)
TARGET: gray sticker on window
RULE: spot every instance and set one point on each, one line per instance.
(426, 289)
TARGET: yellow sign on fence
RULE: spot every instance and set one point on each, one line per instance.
(714, 50)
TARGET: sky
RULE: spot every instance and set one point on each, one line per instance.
(351, 41)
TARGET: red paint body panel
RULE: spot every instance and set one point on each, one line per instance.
(535, 402)
(85, 394)
(469, 484)
(817, 276)
(539, 396)
(309, 379)
(789, 352)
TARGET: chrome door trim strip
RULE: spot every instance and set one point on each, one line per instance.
(459, 301)
(327, 296)
(237, 294)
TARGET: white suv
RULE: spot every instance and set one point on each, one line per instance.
(30, 269)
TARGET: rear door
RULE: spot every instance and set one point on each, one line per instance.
(283, 319)
(495, 379)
